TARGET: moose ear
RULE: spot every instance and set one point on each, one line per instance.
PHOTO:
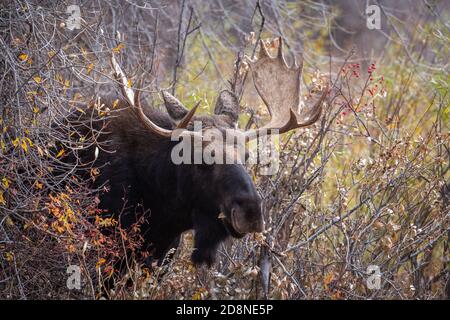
(228, 105)
(174, 107)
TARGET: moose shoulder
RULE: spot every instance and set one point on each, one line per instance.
(215, 200)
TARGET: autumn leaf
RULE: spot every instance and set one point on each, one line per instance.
(9, 256)
(51, 54)
(57, 227)
(60, 153)
(100, 262)
(37, 79)
(38, 185)
(24, 145)
(23, 57)
(328, 279)
(118, 48)
(28, 140)
(15, 142)
(83, 52)
(199, 294)
(9, 222)
(107, 222)
(5, 182)
(2, 199)
(71, 248)
(89, 69)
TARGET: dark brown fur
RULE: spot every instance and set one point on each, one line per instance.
(142, 180)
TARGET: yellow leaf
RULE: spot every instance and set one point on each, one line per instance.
(51, 54)
(57, 227)
(84, 52)
(107, 222)
(37, 79)
(60, 153)
(118, 48)
(9, 222)
(2, 199)
(129, 83)
(100, 262)
(9, 256)
(199, 294)
(89, 69)
(23, 57)
(115, 103)
(38, 185)
(24, 145)
(81, 110)
(30, 143)
(2, 143)
(5, 182)
(15, 142)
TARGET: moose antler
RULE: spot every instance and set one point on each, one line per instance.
(279, 87)
(276, 83)
(134, 101)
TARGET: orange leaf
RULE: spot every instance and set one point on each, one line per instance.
(23, 57)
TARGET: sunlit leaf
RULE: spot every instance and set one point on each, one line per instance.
(24, 145)
(9, 256)
(38, 185)
(60, 153)
(90, 67)
(37, 79)
(100, 262)
(23, 57)
(118, 48)
(5, 183)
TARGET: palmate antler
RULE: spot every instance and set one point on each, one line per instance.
(279, 87)
(276, 83)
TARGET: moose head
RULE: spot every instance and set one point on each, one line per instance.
(220, 199)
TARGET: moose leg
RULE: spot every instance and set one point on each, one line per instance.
(209, 233)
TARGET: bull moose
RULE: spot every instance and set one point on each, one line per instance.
(215, 200)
